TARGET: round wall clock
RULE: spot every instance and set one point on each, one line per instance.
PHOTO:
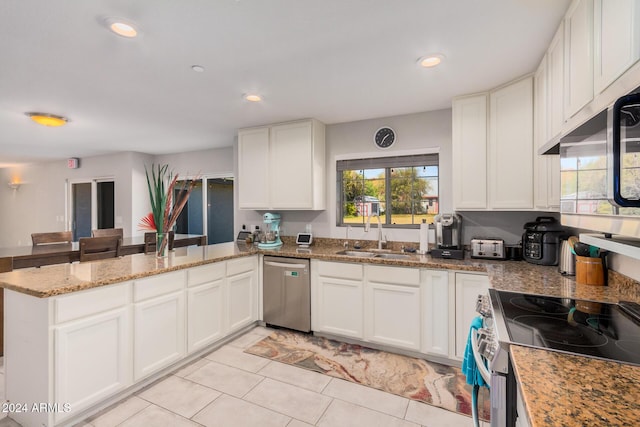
(384, 137)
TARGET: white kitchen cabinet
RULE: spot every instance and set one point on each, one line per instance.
(616, 38)
(282, 166)
(205, 305)
(92, 347)
(469, 152)
(578, 64)
(253, 168)
(242, 293)
(555, 85)
(492, 151)
(338, 301)
(438, 310)
(546, 174)
(468, 287)
(510, 156)
(393, 306)
(159, 322)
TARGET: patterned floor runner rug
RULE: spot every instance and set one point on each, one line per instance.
(439, 385)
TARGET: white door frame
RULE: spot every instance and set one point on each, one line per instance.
(94, 199)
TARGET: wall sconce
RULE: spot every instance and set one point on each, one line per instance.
(14, 185)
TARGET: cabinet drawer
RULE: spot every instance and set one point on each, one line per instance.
(395, 275)
(158, 285)
(205, 273)
(89, 302)
(341, 270)
(241, 265)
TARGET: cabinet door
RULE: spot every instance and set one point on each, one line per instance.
(339, 307)
(436, 303)
(205, 314)
(291, 166)
(578, 39)
(469, 152)
(92, 360)
(616, 40)
(555, 85)
(242, 295)
(468, 287)
(539, 135)
(159, 333)
(253, 168)
(510, 162)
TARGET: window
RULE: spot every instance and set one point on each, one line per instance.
(401, 190)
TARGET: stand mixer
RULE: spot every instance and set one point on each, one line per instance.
(272, 231)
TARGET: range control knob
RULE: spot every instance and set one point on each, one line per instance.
(483, 305)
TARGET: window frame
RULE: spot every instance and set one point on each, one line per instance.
(387, 163)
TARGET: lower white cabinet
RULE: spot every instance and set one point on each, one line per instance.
(159, 333)
(92, 359)
(78, 349)
(468, 287)
(437, 325)
(337, 300)
(422, 310)
(392, 306)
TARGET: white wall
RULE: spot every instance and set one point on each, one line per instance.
(41, 203)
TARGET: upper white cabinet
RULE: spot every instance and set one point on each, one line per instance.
(578, 38)
(485, 144)
(253, 168)
(469, 154)
(616, 40)
(546, 188)
(555, 86)
(282, 166)
(511, 138)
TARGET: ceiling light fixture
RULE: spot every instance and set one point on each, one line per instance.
(431, 60)
(121, 27)
(197, 68)
(45, 119)
(252, 97)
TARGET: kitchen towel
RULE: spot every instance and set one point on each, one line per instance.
(469, 367)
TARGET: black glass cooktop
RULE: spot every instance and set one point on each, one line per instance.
(607, 331)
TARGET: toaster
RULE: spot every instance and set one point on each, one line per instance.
(487, 248)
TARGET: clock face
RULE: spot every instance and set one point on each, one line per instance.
(384, 137)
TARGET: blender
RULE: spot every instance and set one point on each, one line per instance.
(272, 231)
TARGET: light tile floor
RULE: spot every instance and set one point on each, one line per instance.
(231, 388)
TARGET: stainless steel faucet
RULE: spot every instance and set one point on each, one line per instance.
(367, 226)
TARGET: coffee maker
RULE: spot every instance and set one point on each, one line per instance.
(448, 229)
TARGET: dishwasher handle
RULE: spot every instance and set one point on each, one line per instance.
(284, 264)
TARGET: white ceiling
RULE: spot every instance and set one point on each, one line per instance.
(335, 60)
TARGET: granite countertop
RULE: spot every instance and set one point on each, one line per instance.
(564, 390)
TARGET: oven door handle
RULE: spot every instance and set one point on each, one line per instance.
(486, 375)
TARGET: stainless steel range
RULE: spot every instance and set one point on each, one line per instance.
(587, 328)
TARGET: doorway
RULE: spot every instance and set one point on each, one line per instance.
(92, 206)
(209, 212)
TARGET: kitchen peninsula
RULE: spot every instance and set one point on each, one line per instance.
(115, 325)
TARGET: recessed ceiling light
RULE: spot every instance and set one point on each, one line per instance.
(197, 68)
(121, 27)
(431, 60)
(252, 97)
(45, 119)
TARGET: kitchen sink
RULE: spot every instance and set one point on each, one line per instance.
(367, 254)
(363, 254)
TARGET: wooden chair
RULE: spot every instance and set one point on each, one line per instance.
(95, 248)
(150, 241)
(50, 238)
(107, 232)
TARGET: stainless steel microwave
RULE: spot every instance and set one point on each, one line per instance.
(600, 171)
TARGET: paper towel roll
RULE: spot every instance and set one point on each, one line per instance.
(424, 237)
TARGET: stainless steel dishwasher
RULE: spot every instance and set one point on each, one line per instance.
(286, 293)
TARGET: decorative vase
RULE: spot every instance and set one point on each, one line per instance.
(162, 246)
